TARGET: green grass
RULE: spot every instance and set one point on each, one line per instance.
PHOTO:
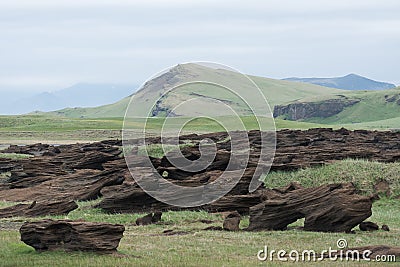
(364, 174)
(41, 123)
(25, 129)
(56, 124)
(44, 128)
(14, 156)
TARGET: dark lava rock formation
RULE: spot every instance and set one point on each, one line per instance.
(89, 171)
(36, 209)
(72, 235)
(327, 208)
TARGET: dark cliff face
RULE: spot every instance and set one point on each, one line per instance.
(323, 109)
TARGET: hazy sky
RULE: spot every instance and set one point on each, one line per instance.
(50, 44)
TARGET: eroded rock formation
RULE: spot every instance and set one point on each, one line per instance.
(90, 171)
(36, 209)
(72, 235)
(327, 208)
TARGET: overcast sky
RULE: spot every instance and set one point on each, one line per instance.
(50, 44)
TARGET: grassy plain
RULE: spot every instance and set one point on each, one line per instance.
(27, 129)
(193, 246)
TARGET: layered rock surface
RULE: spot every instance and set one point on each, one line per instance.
(89, 171)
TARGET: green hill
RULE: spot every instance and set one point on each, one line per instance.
(276, 92)
(375, 109)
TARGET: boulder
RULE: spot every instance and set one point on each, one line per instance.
(368, 226)
(232, 221)
(69, 235)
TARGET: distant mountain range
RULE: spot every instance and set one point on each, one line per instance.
(348, 82)
(78, 95)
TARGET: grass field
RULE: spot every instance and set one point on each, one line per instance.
(53, 129)
(193, 246)
(40, 123)
(58, 130)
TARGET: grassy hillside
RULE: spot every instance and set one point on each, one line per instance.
(374, 109)
(373, 106)
(275, 91)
